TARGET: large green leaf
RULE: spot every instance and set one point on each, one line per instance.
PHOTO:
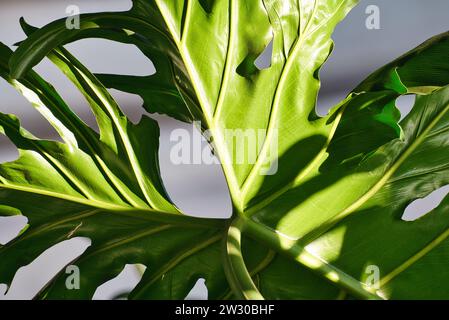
(66, 191)
(233, 51)
(308, 229)
(410, 255)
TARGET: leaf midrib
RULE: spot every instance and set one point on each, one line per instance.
(227, 69)
(247, 183)
(415, 258)
(201, 94)
(61, 196)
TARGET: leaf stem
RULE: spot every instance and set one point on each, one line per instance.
(236, 272)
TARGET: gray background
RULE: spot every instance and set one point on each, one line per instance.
(198, 190)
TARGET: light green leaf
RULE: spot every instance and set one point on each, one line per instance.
(330, 206)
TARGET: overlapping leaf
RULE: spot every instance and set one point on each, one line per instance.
(84, 187)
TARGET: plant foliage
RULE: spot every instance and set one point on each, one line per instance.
(332, 209)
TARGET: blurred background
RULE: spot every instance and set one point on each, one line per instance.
(197, 189)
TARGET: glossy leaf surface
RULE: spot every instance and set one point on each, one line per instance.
(320, 204)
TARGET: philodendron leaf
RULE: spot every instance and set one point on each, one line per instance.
(317, 208)
(66, 192)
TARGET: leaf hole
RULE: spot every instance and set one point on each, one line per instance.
(191, 174)
(69, 93)
(126, 59)
(420, 207)
(122, 58)
(254, 62)
(30, 279)
(199, 291)
(264, 60)
(14, 103)
(130, 104)
(405, 104)
(120, 286)
(10, 227)
(3, 289)
(8, 151)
